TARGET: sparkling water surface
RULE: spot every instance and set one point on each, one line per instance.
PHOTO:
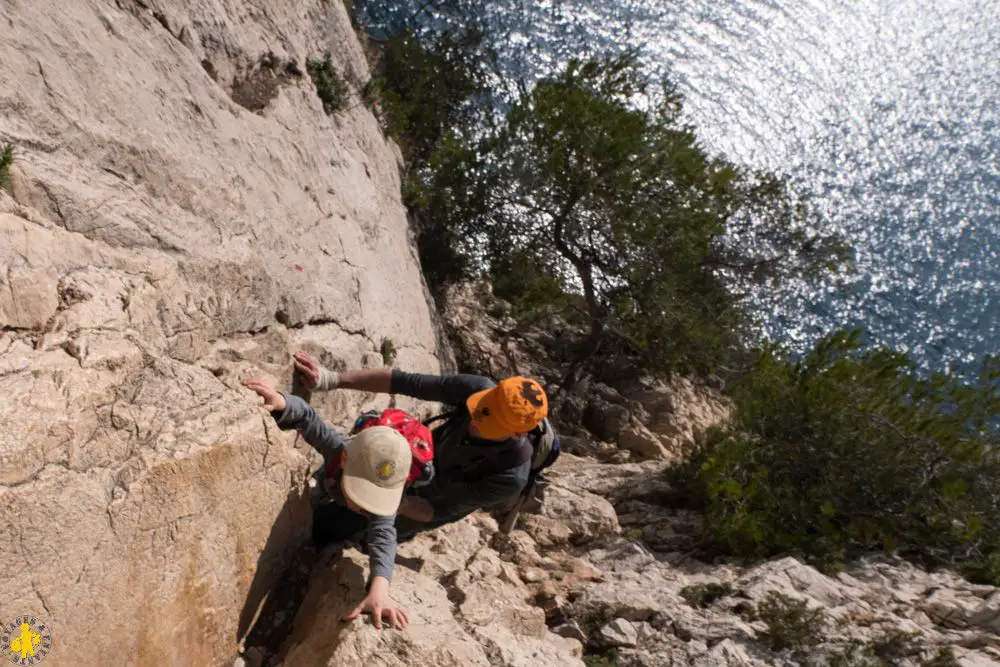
(883, 112)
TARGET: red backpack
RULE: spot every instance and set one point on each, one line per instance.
(418, 435)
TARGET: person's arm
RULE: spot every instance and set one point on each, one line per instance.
(300, 416)
(381, 539)
(447, 389)
(374, 380)
(291, 412)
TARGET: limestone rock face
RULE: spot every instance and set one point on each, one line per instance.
(434, 638)
(467, 604)
(182, 215)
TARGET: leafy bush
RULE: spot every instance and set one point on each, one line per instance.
(894, 647)
(6, 159)
(331, 88)
(702, 595)
(854, 654)
(790, 623)
(850, 451)
(429, 87)
(573, 198)
(594, 619)
(945, 657)
(585, 192)
(607, 659)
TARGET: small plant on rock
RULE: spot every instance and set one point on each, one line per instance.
(945, 657)
(6, 159)
(745, 610)
(330, 85)
(855, 654)
(388, 350)
(594, 619)
(607, 659)
(790, 623)
(703, 595)
(894, 645)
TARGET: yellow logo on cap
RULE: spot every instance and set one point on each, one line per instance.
(385, 470)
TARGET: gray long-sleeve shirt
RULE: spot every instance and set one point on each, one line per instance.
(459, 486)
(381, 530)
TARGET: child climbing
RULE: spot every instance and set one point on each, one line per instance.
(364, 476)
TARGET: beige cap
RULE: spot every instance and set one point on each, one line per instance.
(378, 462)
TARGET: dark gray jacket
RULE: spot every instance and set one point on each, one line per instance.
(466, 476)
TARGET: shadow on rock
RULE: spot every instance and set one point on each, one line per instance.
(281, 579)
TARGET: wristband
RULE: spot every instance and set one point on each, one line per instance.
(327, 379)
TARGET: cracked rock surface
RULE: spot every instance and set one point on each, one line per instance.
(182, 215)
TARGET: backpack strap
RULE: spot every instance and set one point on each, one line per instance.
(440, 417)
(510, 457)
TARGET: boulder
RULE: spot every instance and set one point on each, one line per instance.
(587, 517)
(618, 633)
(682, 409)
(489, 592)
(950, 609)
(446, 551)
(605, 420)
(644, 443)
(571, 630)
(987, 616)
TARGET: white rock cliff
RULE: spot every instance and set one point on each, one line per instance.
(159, 243)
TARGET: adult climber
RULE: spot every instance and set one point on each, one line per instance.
(482, 458)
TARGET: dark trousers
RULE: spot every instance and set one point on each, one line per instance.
(335, 523)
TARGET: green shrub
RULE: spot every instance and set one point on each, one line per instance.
(594, 619)
(428, 87)
(790, 623)
(607, 659)
(331, 88)
(634, 533)
(703, 595)
(6, 159)
(895, 644)
(892, 648)
(854, 654)
(850, 451)
(388, 350)
(945, 657)
(745, 610)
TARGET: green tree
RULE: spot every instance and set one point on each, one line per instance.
(430, 87)
(850, 450)
(433, 94)
(587, 194)
(594, 181)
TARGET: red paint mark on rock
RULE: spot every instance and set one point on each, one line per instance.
(298, 267)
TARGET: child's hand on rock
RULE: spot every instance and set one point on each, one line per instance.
(273, 400)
